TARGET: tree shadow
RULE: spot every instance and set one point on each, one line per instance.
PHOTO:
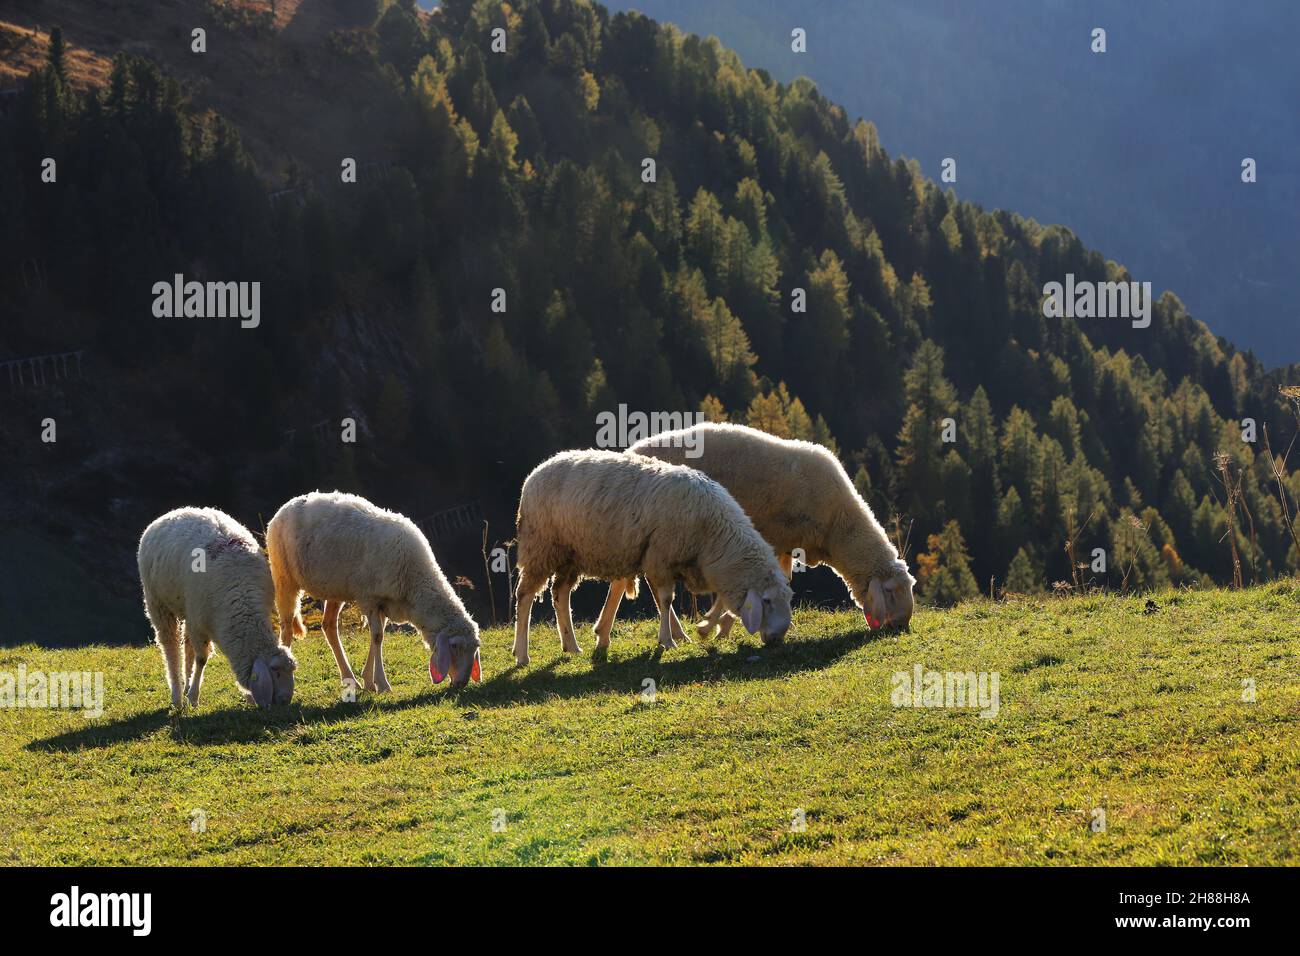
(244, 724)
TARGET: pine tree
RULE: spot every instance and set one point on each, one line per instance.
(930, 397)
(1021, 454)
(1013, 527)
(944, 571)
(57, 54)
(817, 339)
(1024, 576)
(766, 414)
(1063, 425)
(713, 410)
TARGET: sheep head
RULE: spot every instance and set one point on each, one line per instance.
(765, 610)
(889, 602)
(271, 682)
(455, 656)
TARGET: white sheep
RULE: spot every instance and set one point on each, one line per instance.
(202, 572)
(339, 547)
(799, 497)
(609, 516)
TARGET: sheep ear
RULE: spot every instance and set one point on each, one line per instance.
(751, 612)
(476, 673)
(875, 609)
(889, 591)
(440, 662)
(263, 686)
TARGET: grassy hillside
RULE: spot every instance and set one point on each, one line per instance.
(1103, 703)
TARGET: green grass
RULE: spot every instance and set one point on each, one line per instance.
(1101, 705)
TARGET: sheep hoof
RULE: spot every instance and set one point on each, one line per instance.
(521, 661)
(704, 630)
(602, 637)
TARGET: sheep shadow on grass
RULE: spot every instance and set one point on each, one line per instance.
(732, 663)
(228, 725)
(515, 685)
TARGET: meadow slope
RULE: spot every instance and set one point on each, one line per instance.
(1103, 703)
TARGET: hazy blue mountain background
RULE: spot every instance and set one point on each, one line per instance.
(1137, 150)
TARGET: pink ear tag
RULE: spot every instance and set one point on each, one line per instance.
(871, 621)
(435, 675)
(477, 672)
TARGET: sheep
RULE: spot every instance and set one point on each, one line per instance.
(339, 547)
(798, 496)
(203, 574)
(608, 515)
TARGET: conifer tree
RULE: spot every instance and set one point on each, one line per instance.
(944, 573)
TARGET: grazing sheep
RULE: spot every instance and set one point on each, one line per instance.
(338, 548)
(798, 496)
(610, 516)
(203, 573)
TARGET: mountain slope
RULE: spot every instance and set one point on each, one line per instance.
(1138, 150)
(502, 273)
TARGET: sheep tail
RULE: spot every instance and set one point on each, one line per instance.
(633, 589)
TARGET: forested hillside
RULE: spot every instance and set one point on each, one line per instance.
(524, 171)
(1137, 149)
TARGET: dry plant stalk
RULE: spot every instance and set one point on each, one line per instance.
(1232, 488)
(487, 573)
(902, 542)
(1071, 541)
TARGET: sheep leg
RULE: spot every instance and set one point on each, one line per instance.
(674, 623)
(710, 623)
(329, 623)
(200, 650)
(605, 623)
(663, 594)
(525, 593)
(561, 591)
(678, 633)
(373, 674)
(188, 672)
(286, 606)
(724, 624)
(167, 632)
